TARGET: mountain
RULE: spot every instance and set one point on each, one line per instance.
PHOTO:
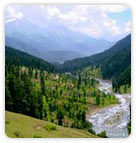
(114, 62)
(19, 58)
(60, 56)
(53, 38)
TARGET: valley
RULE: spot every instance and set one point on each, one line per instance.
(60, 98)
(67, 71)
(79, 99)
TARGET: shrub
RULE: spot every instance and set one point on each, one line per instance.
(88, 125)
(50, 127)
(91, 131)
(103, 134)
(129, 128)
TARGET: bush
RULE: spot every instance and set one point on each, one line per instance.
(129, 128)
(88, 125)
(103, 134)
(91, 131)
(50, 127)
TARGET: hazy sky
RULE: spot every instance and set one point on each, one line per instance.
(110, 22)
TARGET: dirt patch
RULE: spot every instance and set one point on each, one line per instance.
(38, 127)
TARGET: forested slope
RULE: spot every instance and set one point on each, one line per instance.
(114, 62)
(17, 57)
(58, 98)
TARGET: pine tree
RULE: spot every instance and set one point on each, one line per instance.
(97, 99)
(42, 82)
(60, 117)
(8, 98)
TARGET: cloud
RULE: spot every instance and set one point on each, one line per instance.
(127, 28)
(13, 14)
(70, 16)
(73, 17)
(52, 11)
(92, 20)
(10, 20)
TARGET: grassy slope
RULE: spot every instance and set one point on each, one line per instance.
(18, 125)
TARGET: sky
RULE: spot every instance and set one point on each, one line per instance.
(110, 22)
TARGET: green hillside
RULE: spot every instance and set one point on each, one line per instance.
(122, 47)
(20, 58)
(21, 126)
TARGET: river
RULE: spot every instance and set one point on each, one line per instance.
(113, 120)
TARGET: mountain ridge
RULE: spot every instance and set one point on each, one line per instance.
(20, 58)
(52, 37)
(113, 62)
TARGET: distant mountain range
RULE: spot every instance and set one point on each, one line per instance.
(53, 42)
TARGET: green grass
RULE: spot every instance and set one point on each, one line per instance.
(21, 126)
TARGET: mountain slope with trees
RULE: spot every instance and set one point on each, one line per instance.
(20, 58)
(59, 98)
(114, 62)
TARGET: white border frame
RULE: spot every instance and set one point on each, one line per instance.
(3, 137)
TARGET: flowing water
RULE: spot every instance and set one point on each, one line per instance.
(113, 120)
